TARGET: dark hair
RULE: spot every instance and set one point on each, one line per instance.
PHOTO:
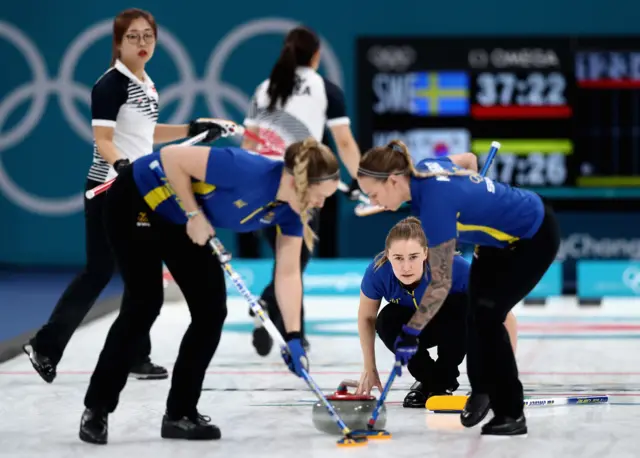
(299, 47)
(122, 22)
(310, 162)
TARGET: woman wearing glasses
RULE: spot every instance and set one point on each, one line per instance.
(124, 112)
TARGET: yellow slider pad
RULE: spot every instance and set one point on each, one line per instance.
(444, 403)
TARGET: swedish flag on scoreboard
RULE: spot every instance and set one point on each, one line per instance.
(440, 94)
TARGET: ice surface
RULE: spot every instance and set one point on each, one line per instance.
(265, 411)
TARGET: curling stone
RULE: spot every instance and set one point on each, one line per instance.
(355, 410)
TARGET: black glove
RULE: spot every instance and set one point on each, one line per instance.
(217, 128)
(121, 164)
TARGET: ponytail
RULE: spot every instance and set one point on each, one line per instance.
(394, 159)
(400, 147)
(283, 77)
(380, 259)
(310, 162)
(300, 45)
(301, 180)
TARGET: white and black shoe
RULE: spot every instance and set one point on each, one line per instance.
(148, 371)
(189, 427)
(501, 425)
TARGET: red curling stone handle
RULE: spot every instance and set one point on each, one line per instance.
(342, 393)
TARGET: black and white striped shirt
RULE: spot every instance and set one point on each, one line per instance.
(315, 104)
(120, 100)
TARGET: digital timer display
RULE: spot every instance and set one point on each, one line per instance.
(565, 109)
(530, 95)
(534, 163)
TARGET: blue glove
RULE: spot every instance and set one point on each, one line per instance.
(295, 357)
(406, 345)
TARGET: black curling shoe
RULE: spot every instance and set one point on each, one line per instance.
(476, 408)
(262, 341)
(193, 427)
(42, 364)
(417, 397)
(501, 425)
(94, 427)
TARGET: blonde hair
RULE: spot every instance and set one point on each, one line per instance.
(409, 228)
(394, 159)
(309, 162)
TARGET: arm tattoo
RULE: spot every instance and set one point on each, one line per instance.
(441, 263)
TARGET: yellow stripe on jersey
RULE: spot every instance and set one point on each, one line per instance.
(251, 215)
(156, 196)
(161, 193)
(495, 233)
(202, 188)
(258, 210)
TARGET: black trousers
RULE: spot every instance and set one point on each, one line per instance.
(499, 279)
(140, 249)
(269, 293)
(76, 301)
(447, 331)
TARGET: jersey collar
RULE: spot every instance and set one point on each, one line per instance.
(122, 68)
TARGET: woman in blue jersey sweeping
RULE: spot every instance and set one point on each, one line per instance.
(400, 275)
(217, 188)
(517, 239)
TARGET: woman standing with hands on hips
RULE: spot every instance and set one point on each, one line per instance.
(188, 192)
(517, 237)
(124, 112)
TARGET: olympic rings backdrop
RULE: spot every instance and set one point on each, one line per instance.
(209, 58)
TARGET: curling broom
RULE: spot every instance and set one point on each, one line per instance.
(455, 404)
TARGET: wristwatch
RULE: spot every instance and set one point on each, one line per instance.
(193, 213)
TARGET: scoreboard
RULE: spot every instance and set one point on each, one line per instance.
(565, 109)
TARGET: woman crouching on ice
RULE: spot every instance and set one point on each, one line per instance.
(398, 275)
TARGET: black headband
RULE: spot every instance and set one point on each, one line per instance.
(371, 173)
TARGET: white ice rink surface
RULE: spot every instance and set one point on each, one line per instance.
(264, 411)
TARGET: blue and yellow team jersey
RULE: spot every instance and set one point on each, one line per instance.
(381, 283)
(238, 192)
(473, 209)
